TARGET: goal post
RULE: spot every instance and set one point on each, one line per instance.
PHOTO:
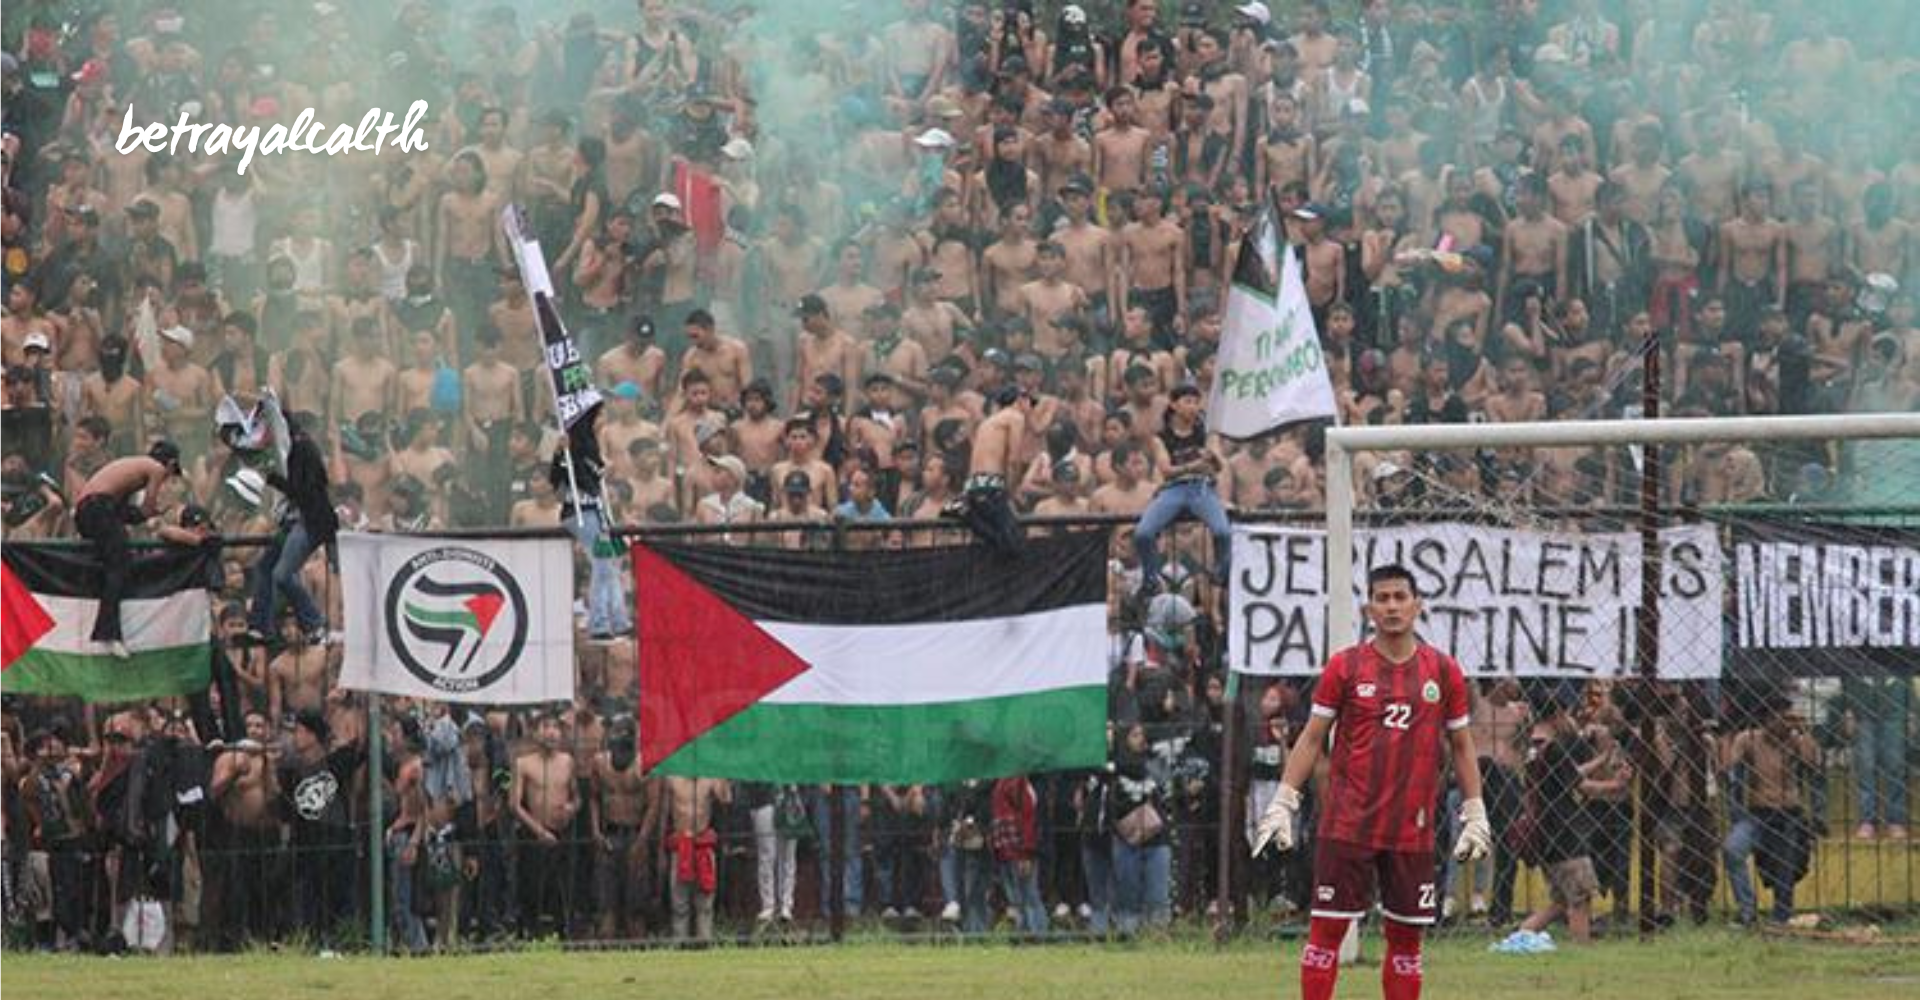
(1344, 442)
(1658, 630)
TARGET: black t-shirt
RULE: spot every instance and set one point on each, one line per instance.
(313, 796)
(1562, 830)
(1183, 449)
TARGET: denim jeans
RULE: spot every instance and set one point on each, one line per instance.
(1140, 881)
(607, 610)
(408, 930)
(963, 880)
(1736, 852)
(1195, 497)
(1096, 861)
(1880, 769)
(851, 880)
(278, 572)
(1023, 893)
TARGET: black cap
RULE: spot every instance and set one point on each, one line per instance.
(84, 213)
(641, 328)
(878, 378)
(143, 208)
(997, 357)
(1077, 184)
(811, 305)
(797, 482)
(1029, 363)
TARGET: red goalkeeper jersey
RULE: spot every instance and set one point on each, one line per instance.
(1390, 733)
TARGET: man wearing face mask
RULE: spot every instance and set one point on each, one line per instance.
(624, 810)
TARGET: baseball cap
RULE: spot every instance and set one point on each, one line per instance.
(1310, 211)
(732, 464)
(1029, 363)
(738, 148)
(84, 213)
(942, 106)
(797, 482)
(143, 208)
(641, 328)
(36, 341)
(1077, 184)
(1255, 11)
(811, 305)
(667, 199)
(934, 138)
(179, 335)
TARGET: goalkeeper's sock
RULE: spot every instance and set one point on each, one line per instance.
(1400, 973)
(1320, 959)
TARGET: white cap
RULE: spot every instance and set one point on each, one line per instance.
(1257, 11)
(36, 339)
(179, 335)
(934, 138)
(737, 148)
(1073, 13)
(1386, 470)
(249, 484)
(666, 199)
(1359, 106)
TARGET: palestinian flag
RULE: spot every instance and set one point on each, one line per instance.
(165, 617)
(899, 667)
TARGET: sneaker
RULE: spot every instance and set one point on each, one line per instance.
(1479, 905)
(1449, 907)
(950, 913)
(1865, 831)
(764, 916)
(1086, 911)
(911, 913)
(119, 650)
(889, 914)
(1062, 911)
(1896, 831)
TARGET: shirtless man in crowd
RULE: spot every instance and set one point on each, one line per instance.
(691, 843)
(624, 809)
(298, 678)
(545, 799)
(243, 841)
(985, 504)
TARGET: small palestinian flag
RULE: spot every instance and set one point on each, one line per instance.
(900, 667)
(50, 605)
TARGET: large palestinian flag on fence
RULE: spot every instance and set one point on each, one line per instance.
(49, 607)
(916, 666)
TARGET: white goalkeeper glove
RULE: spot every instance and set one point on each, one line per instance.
(1276, 824)
(1476, 835)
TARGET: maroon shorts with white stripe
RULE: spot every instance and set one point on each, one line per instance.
(1345, 875)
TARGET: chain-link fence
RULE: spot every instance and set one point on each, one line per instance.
(1767, 747)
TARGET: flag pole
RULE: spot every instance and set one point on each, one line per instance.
(1229, 749)
(376, 834)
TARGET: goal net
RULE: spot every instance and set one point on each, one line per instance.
(1690, 647)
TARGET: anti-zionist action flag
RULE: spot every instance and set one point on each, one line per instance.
(450, 620)
(920, 666)
(49, 608)
(1269, 371)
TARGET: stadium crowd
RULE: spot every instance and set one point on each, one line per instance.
(810, 254)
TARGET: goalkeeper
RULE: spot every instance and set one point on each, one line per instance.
(1396, 701)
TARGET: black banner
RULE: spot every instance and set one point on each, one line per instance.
(1824, 598)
